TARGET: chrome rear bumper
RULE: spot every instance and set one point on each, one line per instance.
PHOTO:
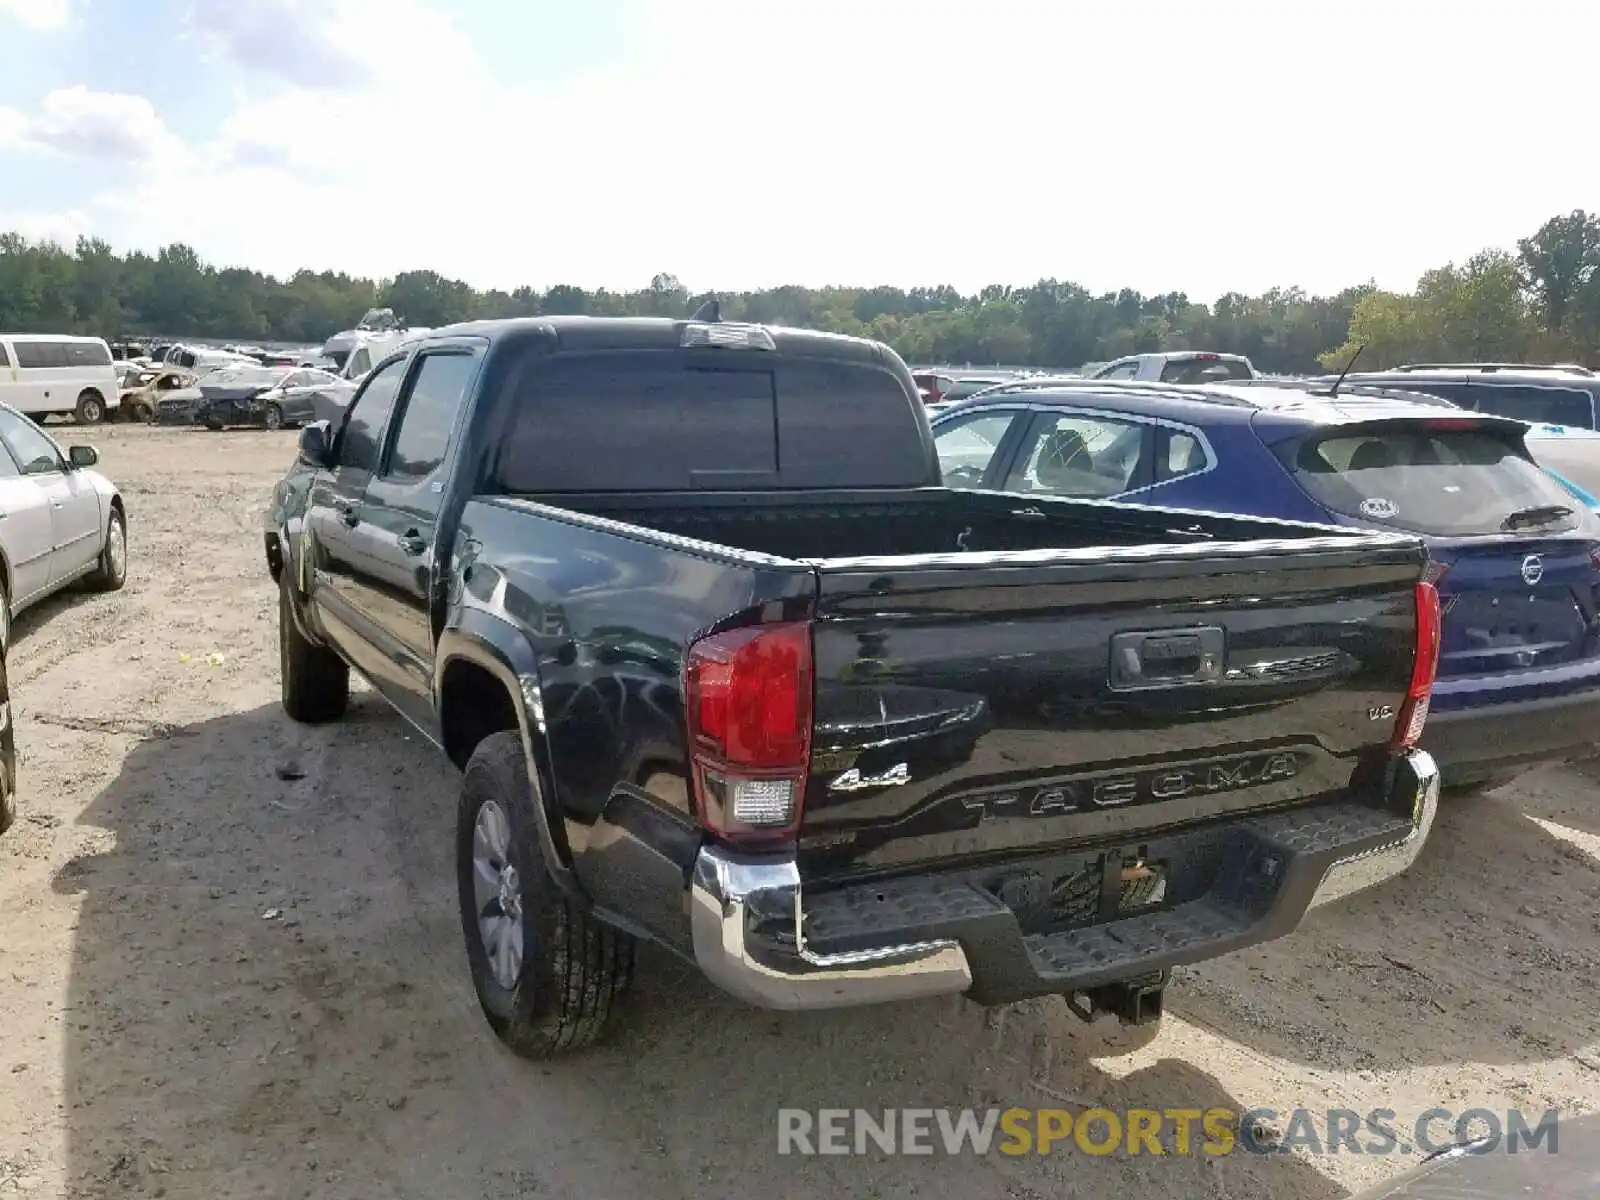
(1325, 855)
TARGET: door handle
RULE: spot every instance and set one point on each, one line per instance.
(411, 542)
(1030, 513)
(346, 511)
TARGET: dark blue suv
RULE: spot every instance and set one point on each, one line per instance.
(1516, 556)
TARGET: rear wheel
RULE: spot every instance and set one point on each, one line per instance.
(316, 681)
(546, 972)
(91, 408)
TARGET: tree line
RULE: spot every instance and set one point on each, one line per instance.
(1541, 303)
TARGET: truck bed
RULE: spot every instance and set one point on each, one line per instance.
(821, 525)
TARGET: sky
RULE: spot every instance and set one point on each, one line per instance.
(1203, 147)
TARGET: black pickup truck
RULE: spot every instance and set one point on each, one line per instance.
(726, 667)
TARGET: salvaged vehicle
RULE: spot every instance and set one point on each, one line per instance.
(143, 386)
(263, 397)
(727, 668)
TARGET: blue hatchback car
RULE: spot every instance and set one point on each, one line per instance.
(1516, 555)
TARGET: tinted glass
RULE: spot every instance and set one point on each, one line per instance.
(5, 359)
(28, 444)
(430, 414)
(1079, 455)
(1448, 483)
(40, 354)
(637, 422)
(1125, 371)
(1203, 370)
(846, 424)
(362, 435)
(359, 363)
(966, 448)
(86, 354)
(1538, 405)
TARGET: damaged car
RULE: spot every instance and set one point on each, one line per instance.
(143, 386)
(261, 397)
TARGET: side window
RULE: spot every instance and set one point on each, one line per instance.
(967, 448)
(28, 444)
(86, 354)
(31, 355)
(1077, 454)
(429, 415)
(1125, 371)
(359, 364)
(1182, 454)
(362, 435)
(5, 360)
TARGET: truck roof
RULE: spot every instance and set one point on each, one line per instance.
(607, 333)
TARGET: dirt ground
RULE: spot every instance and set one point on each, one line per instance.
(217, 981)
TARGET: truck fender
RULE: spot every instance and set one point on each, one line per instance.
(497, 648)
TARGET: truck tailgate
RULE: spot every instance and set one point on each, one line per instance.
(973, 707)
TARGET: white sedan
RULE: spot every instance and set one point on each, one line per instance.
(60, 520)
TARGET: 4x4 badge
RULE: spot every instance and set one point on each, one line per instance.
(854, 781)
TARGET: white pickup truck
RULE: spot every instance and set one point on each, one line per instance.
(1178, 366)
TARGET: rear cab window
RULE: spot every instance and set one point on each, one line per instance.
(1436, 481)
(1536, 405)
(1203, 370)
(671, 420)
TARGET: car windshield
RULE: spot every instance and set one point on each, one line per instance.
(248, 376)
(1439, 482)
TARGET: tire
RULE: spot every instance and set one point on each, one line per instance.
(273, 417)
(213, 426)
(111, 572)
(5, 617)
(91, 409)
(316, 681)
(572, 968)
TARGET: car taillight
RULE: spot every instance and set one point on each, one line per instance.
(747, 701)
(1424, 666)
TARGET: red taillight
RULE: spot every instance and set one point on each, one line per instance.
(1424, 667)
(747, 703)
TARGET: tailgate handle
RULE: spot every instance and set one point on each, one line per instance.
(1167, 658)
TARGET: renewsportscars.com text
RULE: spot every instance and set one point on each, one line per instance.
(1158, 1131)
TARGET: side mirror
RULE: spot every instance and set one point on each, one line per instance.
(316, 441)
(82, 456)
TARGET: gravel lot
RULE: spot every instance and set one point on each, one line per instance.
(219, 982)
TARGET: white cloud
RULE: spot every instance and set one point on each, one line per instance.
(44, 15)
(100, 126)
(297, 41)
(749, 144)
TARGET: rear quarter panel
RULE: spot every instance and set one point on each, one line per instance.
(607, 617)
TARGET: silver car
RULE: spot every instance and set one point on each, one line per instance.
(61, 521)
